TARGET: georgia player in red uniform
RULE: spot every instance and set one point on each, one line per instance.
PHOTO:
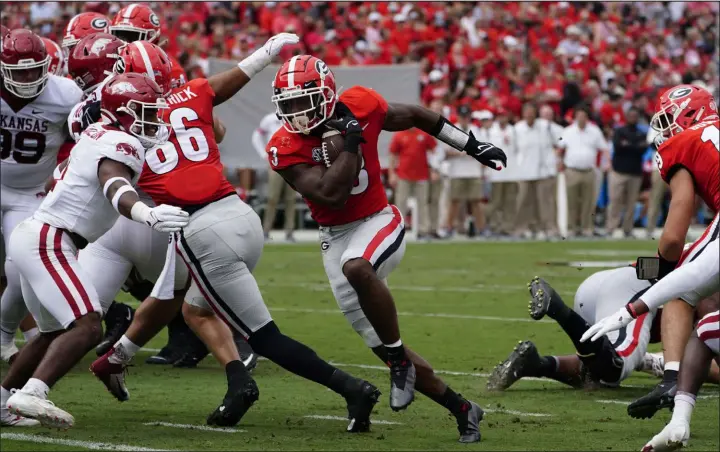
(220, 246)
(82, 25)
(688, 159)
(362, 236)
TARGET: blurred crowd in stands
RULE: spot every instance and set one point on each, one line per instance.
(483, 65)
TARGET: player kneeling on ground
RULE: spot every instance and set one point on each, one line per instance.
(362, 235)
(96, 185)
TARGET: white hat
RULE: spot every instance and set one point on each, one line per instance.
(399, 17)
(393, 6)
(375, 16)
(435, 75)
(510, 41)
(361, 46)
(563, 5)
(482, 115)
(330, 35)
(572, 30)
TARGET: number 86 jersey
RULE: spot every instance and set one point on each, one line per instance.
(186, 171)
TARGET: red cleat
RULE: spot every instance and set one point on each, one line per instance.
(110, 369)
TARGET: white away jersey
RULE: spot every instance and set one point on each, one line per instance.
(32, 136)
(77, 202)
(74, 119)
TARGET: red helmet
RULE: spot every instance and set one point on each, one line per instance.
(136, 22)
(178, 77)
(93, 59)
(24, 63)
(304, 93)
(143, 57)
(57, 60)
(681, 107)
(3, 31)
(82, 25)
(133, 101)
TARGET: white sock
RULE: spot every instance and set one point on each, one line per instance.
(31, 333)
(394, 344)
(684, 405)
(4, 396)
(126, 349)
(672, 365)
(36, 387)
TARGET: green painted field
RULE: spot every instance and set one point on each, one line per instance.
(463, 306)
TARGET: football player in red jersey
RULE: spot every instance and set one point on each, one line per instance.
(221, 246)
(688, 159)
(362, 236)
(57, 60)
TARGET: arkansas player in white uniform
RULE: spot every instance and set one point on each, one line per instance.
(95, 187)
(34, 109)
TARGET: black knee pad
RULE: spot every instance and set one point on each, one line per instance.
(605, 366)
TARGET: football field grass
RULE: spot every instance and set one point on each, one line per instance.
(463, 306)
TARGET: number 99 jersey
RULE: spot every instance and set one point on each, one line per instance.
(30, 137)
(697, 149)
(186, 171)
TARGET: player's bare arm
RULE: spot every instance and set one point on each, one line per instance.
(680, 213)
(219, 129)
(115, 179)
(404, 116)
(226, 84)
(331, 186)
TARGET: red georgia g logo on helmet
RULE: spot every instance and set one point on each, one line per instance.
(680, 93)
(154, 20)
(99, 23)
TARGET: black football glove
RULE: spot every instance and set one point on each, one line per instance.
(350, 129)
(90, 114)
(486, 153)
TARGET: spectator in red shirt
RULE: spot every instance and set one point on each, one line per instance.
(409, 173)
(611, 113)
(437, 88)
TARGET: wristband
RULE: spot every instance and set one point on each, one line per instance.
(449, 134)
(140, 212)
(121, 191)
(255, 63)
(111, 181)
(666, 266)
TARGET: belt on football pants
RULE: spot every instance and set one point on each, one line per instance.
(77, 239)
(195, 207)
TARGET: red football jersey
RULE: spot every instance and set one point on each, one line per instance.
(286, 149)
(697, 150)
(186, 170)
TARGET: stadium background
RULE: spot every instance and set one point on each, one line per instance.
(496, 56)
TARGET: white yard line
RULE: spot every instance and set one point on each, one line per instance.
(515, 412)
(74, 443)
(204, 428)
(476, 288)
(419, 314)
(609, 253)
(327, 417)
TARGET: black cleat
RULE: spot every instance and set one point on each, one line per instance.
(167, 356)
(117, 321)
(235, 405)
(359, 405)
(468, 422)
(543, 295)
(521, 361)
(248, 357)
(402, 384)
(192, 351)
(662, 396)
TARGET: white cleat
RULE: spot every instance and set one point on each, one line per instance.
(674, 436)
(8, 419)
(8, 350)
(33, 407)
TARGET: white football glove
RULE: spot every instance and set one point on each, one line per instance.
(165, 218)
(265, 54)
(674, 436)
(610, 323)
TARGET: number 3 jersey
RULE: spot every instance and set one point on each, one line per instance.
(77, 202)
(368, 196)
(30, 138)
(696, 150)
(186, 171)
